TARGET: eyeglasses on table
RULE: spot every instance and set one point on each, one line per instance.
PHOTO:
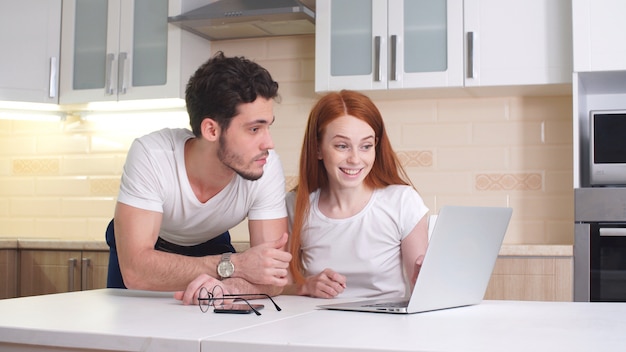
(216, 298)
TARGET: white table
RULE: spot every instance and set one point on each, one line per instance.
(490, 326)
(125, 320)
(119, 320)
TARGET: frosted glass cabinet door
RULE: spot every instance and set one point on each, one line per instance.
(387, 44)
(89, 47)
(119, 50)
(351, 44)
(350, 38)
(149, 65)
(143, 52)
(426, 43)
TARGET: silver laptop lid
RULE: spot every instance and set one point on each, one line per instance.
(460, 258)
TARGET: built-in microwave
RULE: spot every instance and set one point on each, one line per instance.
(607, 147)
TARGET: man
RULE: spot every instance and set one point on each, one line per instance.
(181, 189)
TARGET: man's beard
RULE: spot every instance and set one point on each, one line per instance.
(235, 162)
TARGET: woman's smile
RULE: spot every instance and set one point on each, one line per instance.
(351, 172)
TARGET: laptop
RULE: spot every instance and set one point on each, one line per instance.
(461, 254)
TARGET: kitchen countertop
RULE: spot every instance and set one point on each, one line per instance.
(538, 250)
(57, 244)
(8, 243)
(522, 250)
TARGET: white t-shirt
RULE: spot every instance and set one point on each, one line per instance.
(154, 178)
(365, 247)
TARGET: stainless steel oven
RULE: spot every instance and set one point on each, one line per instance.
(600, 245)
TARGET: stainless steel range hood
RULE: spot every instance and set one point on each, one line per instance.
(235, 19)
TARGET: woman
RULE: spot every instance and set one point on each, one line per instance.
(358, 226)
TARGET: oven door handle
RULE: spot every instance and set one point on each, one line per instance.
(612, 232)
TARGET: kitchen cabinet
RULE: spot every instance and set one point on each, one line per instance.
(125, 50)
(599, 33)
(55, 271)
(387, 44)
(532, 278)
(518, 42)
(390, 44)
(8, 273)
(30, 36)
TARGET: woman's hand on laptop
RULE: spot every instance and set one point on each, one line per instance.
(326, 284)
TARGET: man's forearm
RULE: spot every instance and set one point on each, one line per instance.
(162, 271)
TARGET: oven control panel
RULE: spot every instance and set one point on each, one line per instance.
(598, 204)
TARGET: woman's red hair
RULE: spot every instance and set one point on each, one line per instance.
(312, 174)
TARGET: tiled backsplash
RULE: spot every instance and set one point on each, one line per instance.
(60, 179)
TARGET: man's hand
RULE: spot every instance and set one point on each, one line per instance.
(265, 264)
(190, 295)
(326, 284)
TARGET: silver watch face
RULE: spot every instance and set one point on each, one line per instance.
(225, 269)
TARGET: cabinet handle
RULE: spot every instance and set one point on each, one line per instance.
(377, 68)
(394, 43)
(108, 89)
(470, 54)
(84, 273)
(71, 266)
(52, 91)
(121, 81)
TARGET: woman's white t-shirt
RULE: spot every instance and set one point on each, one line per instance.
(365, 247)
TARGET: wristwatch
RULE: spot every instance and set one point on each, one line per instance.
(225, 268)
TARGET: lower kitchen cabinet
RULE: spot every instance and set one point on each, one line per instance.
(55, 271)
(8, 273)
(532, 279)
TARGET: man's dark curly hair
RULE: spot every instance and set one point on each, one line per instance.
(223, 83)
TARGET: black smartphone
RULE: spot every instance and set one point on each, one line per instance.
(237, 308)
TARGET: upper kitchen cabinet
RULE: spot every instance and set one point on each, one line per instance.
(386, 44)
(30, 35)
(599, 32)
(117, 50)
(389, 44)
(518, 42)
